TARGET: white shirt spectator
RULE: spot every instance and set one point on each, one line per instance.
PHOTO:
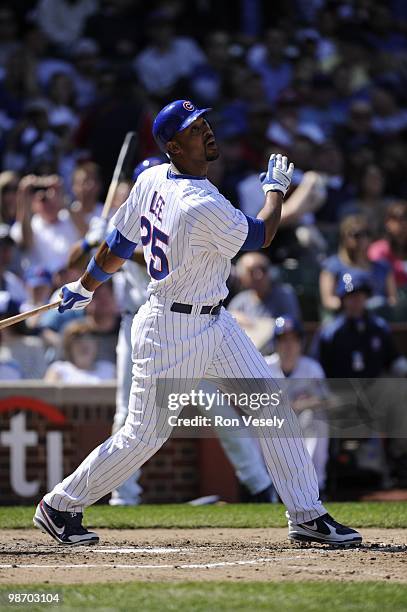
(67, 372)
(159, 71)
(63, 21)
(51, 241)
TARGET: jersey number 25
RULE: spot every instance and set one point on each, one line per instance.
(158, 256)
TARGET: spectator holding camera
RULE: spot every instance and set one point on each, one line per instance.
(44, 229)
(352, 257)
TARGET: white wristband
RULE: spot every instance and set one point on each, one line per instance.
(77, 287)
(273, 187)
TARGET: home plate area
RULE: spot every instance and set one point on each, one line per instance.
(198, 554)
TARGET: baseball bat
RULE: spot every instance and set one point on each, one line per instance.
(76, 256)
(128, 144)
(29, 313)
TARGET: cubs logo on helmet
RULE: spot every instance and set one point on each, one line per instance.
(188, 105)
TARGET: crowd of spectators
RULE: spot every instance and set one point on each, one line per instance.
(323, 82)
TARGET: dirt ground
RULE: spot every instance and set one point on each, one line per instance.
(199, 554)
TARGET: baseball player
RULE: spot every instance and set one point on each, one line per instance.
(243, 452)
(130, 288)
(182, 334)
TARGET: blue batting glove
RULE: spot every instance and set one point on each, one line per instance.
(74, 297)
(278, 176)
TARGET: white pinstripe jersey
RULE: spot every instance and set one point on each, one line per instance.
(189, 233)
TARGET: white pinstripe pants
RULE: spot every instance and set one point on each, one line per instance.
(243, 452)
(168, 346)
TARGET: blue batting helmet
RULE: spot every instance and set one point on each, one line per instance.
(350, 282)
(146, 163)
(285, 324)
(174, 118)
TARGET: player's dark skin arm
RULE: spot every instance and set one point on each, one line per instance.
(271, 215)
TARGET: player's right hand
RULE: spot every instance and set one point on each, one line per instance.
(279, 174)
(74, 297)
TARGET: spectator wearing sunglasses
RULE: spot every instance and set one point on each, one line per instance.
(352, 257)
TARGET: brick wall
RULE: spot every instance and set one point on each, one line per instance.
(172, 475)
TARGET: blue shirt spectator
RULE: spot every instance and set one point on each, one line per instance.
(378, 272)
(352, 257)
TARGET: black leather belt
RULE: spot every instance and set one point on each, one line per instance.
(187, 308)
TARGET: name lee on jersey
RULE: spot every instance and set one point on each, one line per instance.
(157, 205)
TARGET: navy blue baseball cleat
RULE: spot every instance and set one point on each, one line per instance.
(324, 530)
(65, 527)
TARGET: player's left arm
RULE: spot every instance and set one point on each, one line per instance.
(216, 224)
(275, 183)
